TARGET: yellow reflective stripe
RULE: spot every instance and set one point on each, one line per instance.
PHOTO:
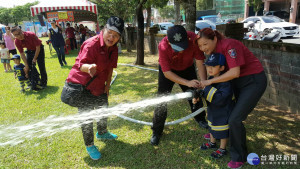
(211, 93)
(218, 128)
(204, 103)
(208, 94)
(208, 122)
(233, 98)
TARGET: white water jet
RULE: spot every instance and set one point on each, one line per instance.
(13, 135)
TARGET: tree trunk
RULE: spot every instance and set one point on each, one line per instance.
(190, 9)
(148, 24)
(177, 12)
(140, 34)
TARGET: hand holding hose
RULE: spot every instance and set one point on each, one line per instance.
(196, 95)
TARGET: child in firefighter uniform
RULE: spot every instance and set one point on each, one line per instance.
(220, 103)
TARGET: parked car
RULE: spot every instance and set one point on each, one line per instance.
(213, 18)
(287, 29)
(163, 27)
(151, 24)
(202, 24)
(280, 14)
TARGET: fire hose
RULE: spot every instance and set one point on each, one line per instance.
(149, 123)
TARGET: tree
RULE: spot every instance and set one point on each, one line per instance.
(121, 8)
(5, 16)
(155, 4)
(167, 12)
(26, 11)
(190, 10)
(18, 14)
(140, 32)
(204, 4)
(256, 5)
(177, 12)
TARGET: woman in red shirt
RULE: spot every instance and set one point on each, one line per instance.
(248, 80)
(97, 58)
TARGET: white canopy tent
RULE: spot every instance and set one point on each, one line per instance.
(83, 10)
(1, 25)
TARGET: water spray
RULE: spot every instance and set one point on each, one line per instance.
(13, 135)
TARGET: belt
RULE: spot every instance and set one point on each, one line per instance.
(33, 51)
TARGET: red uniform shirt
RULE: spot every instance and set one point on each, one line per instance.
(82, 31)
(171, 60)
(94, 51)
(30, 41)
(237, 54)
(70, 32)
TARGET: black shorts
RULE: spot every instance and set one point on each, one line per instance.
(13, 51)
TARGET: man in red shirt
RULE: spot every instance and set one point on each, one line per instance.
(177, 53)
(70, 34)
(97, 58)
(35, 51)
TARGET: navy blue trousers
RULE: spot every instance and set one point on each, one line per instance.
(248, 91)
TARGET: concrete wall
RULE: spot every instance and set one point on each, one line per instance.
(281, 62)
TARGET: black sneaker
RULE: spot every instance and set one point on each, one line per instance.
(203, 124)
(219, 153)
(208, 145)
(154, 140)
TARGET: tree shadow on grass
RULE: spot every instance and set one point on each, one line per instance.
(174, 151)
(269, 132)
(49, 90)
(135, 80)
(273, 131)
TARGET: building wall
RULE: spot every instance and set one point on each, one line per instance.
(230, 7)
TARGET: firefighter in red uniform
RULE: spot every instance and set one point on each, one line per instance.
(177, 52)
(248, 81)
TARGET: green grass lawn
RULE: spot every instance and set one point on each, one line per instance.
(270, 131)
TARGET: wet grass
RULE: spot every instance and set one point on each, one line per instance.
(269, 131)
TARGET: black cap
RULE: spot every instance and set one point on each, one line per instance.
(215, 59)
(177, 36)
(116, 24)
(16, 56)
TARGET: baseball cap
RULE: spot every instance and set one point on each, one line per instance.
(53, 21)
(16, 56)
(216, 59)
(116, 24)
(177, 37)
